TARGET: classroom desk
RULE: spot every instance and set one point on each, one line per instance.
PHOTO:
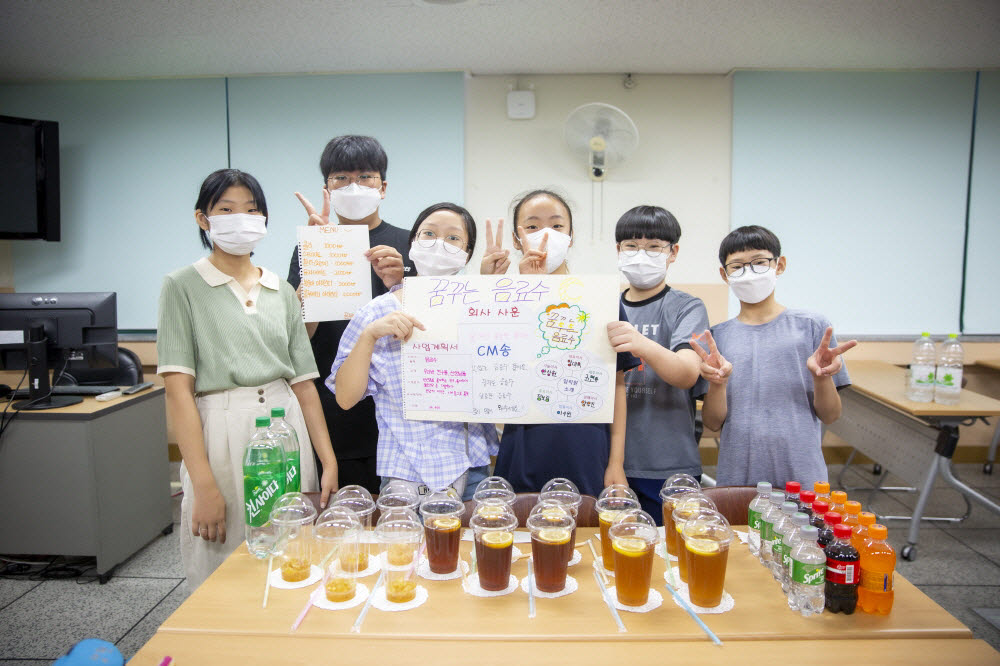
(992, 364)
(228, 604)
(91, 479)
(915, 440)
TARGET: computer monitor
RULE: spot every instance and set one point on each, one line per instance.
(58, 332)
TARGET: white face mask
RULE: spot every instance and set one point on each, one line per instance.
(556, 249)
(238, 233)
(643, 271)
(753, 287)
(438, 259)
(355, 202)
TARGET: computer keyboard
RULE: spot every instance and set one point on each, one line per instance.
(71, 390)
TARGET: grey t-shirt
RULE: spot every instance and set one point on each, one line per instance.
(771, 432)
(659, 430)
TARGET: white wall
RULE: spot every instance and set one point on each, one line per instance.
(683, 161)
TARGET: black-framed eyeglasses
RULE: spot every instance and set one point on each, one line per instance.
(652, 250)
(337, 181)
(738, 268)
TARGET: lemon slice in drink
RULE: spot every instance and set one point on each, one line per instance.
(447, 524)
(554, 535)
(608, 516)
(703, 546)
(497, 539)
(554, 513)
(629, 546)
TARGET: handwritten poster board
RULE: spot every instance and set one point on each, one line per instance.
(519, 349)
(336, 277)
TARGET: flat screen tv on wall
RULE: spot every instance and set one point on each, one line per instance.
(29, 179)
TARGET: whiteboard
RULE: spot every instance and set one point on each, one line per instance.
(518, 349)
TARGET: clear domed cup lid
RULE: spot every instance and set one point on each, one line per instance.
(399, 525)
(618, 490)
(442, 504)
(337, 522)
(356, 498)
(548, 517)
(635, 524)
(493, 515)
(691, 505)
(551, 509)
(494, 487)
(706, 531)
(293, 509)
(682, 481)
(397, 494)
(560, 484)
(609, 506)
(674, 493)
(398, 514)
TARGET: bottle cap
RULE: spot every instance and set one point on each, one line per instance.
(838, 497)
(842, 531)
(262, 422)
(821, 487)
(793, 487)
(789, 507)
(807, 497)
(777, 497)
(925, 334)
(821, 507)
(866, 518)
(877, 531)
(277, 412)
(800, 519)
(833, 518)
(953, 336)
(852, 507)
(763, 487)
(809, 533)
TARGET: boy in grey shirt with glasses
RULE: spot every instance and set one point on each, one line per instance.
(773, 375)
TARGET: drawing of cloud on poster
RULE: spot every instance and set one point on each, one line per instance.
(517, 349)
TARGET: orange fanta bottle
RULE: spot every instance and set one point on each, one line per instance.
(822, 490)
(878, 562)
(859, 538)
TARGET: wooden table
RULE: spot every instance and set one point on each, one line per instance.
(992, 364)
(226, 609)
(915, 440)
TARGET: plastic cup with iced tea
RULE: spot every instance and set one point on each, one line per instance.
(674, 488)
(358, 500)
(493, 525)
(397, 495)
(337, 530)
(686, 509)
(551, 530)
(707, 536)
(293, 515)
(610, 503)
(442, 514)
(633, 540)
(399, 532)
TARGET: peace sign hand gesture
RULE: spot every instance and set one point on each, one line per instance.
(320, 219)
(826, 361)
(496, 260)
(533, 261)
(714, 367)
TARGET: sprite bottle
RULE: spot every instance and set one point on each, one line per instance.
(281, 429)
(263, 484)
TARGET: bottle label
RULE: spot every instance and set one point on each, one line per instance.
(786, 556)
(922, 376)
(807, 574)
(753, 519)
(260, 493)
(949, 378)
(876, 582)
(841, 573)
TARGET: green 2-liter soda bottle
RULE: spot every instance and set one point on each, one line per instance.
(263, 484)
(283, 430)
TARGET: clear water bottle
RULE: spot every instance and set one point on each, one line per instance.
(948, 384)
(791, 539)
(283, 430)
(806, 587)
(263, 484)
(781, 528)
(754, 511)
(768, 518)
(920, 379)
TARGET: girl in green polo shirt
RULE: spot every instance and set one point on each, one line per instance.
(231, 346)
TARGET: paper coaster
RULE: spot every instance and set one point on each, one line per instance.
(374, 566)
(673, 577)
(570, 588)
(380, 602)
(360, 594)
(516, 554)
(575, 559)
(471, 586)
(600, 567)
(661, 550)
(655, 600)
(315, 574)
(743, 536)
(424, 571)
(724, 606)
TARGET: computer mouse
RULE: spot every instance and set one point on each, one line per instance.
(5, 391)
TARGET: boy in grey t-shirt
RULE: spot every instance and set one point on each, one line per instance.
(660, 393)
(772, 373)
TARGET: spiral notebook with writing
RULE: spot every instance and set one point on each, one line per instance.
(335, 276)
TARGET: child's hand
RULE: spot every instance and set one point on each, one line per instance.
(387, 263)
(397, 324)
(826, 361)
(496, 260)
(533, 261)
(315, 218)
(624, 338)
(714, 367)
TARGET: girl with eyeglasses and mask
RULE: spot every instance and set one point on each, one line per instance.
(592, 455)
(432, 454)
(231, 346)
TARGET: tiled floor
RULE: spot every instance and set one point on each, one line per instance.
(957, 565)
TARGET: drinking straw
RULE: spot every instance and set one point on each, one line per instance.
(670, 568)
(694, 616)
(356, 627)
(531, 588)
(309, 604)
(610, 604)
(267, 581)
(598, 562)
(416, 560)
